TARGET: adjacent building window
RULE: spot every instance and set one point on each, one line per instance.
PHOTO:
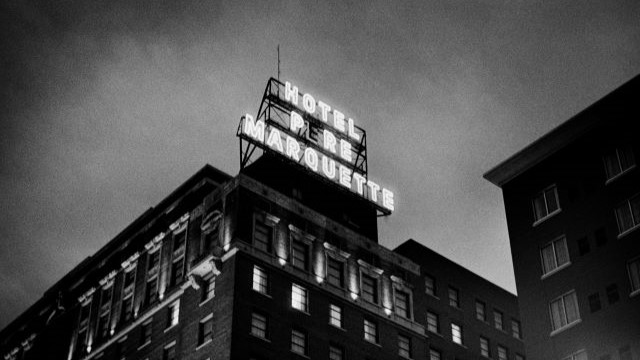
(262, 234)
(151, 291)
(633, 267)
(260, 280)
(300, 255)
(404, 346)
(173, 314)
(336, 352)
(299, 298)
(369, 288)
(484, 347)
(169, 352)
(432, 322)
(481, 311)
(618, 161)
(515, 329)
(402, 304)
(456, 333)
(580, 355)
(205, 330)
(259, 325)
(435, 354)
(299, 342)
(335, 272)
(497, 319)
(612, 293)
(454, 297)
(628, 214)
(335, 315)
(502, 353)
(147, 329)
(594, 302)
(370, 331)
(546, 203)
(554, 255)
(564, 310)
(209, 288)
(430, 285)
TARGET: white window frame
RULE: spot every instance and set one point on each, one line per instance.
(547, 273)
(337, 322)
(372, 325)
(374, 273)
(261, 274)
(300, 301)
(455, 327)
(546, 204)
(564, 308)
(627, 206)
(615, 155)
(634, 276)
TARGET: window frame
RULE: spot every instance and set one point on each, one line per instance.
(433, 287)
(370, 329)
(548, 214)
(258, 318)
(455, 327)
(546, 273)
(634, 282)
(333, 320)
(454, 303)
(297, 333)
(498, 319)
(262, 285)
(568, 324)
(627, 204)
(301, 304)
(202, 335)
(616, 154)
(404, 346)
(481, 316)
(437, 322)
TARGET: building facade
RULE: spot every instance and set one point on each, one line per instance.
(572, 208)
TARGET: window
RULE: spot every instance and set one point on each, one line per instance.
(546, 203)
(402, 304)
(564, 310)
(497, 319)
(177, 271)
(299, 299)
(369, 288)
(404, 346)
(129, 278)
(173, 314)
(179, 240)
(151, 291)
(594, 302)
(618, 161)
(260, 280)
(335, 315)
(205, 330)
(430, 285)
(432, 322)
(484, 347)
(262, 235)
(147, 329)
(153, 260)
(580, 355)
(612, 293)
(259, 324)
(105, 312)
(628, 214)
(454, 297)
(169, 352)
(209, 289)
(370, 331)
(480, 311)
(299, 342)
(83, 328)
(634, 274)
(127, 309)
(435, 354)
(299, 255)
(502, 353)
(515, 329)
(336, 352)
(554, 255)
(456, 333)
(335, 272)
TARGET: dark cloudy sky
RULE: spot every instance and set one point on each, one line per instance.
(107, 106)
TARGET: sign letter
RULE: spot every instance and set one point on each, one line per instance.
(253, 129)
(295, 122)
(291, 93)
(329, 142)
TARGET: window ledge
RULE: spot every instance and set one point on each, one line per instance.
(143, 345)
(260, 338)
(206, 301)
(433, 296)
(171, 327)
(261, 293)
(565, 265)
(203, 344)
(566, 327)
(634, 293)
(298, 354)
(628, 231)
(549, 216)
(301, 311)
(461, 345)
(373, 343)
(337, 327)
(455, 307)
(618, 175)
(435, 333)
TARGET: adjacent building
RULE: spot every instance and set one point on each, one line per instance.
(573, 209)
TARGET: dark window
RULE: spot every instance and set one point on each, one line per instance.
(454, 297)
(404, 346)
(481, 311)
(262, 236)
(618, 161)
(103, 325)
(177, 272)
(336, 352)
(545, 203)
(402, 304)
(628, 214)
(259, 325)
(497, 319)
(601, 237)
(594, 302)
(583, 245)
(129, 278)
(430, 285)
(515, 329)
(633, 267)
(612, 293)
(299, 254)
(335, 272)
(299, 342)
(151, 291)
(153, 260)
(208, 288)
(205, 330)
(127, 309)
(435, 354)
(210, 239)
(169, 353)
(146, 332)
(370, 331)
(369, 288)
(432, 322)
(179, 240)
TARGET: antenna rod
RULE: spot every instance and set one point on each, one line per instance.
(278, 62)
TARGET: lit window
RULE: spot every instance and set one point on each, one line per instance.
(628, 214)
(335, 315)
(480, 311)
(336, 352)
(209, 289)
(580, 355)
(564, 310)
(432, 322)
(454, 297)
(169, 352)
(546, 203)
(147, 330)
(634, 274)
(554, 255)
(515, 329)
(370, 331)
(484, 347)
(430, 285)
(173, 314)
(299, 300)
(298, 342)
(456, 333)
(369, 288)
(404, 346)
(502, 353)
(335, 272)
(618, 161)
(262, 235)
(299, 255)
(205, 330)
(260, 280)
(402, 304)
(497, 319)
(259, 325)
(435, 354)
